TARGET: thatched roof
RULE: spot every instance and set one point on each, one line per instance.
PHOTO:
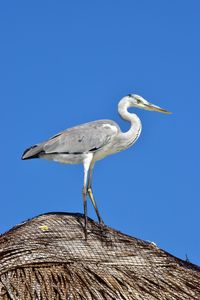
(48, 258)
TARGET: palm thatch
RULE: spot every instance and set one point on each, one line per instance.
(48, 258)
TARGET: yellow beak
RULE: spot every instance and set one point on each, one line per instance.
(153, 107)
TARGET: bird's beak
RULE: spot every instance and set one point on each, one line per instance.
(153, 107)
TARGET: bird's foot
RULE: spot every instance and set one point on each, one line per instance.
(101, 222)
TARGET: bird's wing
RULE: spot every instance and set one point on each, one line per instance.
(84, 138)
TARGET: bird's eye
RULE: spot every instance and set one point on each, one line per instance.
(138, 100)
(129, 95)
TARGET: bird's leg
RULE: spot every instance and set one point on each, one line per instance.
(86, 165)
(84, 193)
(89, 190)
(94, 204)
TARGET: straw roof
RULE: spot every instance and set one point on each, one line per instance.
(47, 258)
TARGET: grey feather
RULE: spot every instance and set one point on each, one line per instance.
(33, 151)
(88, 137)
(81, 139)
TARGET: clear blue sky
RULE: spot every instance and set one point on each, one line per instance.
(64, 63)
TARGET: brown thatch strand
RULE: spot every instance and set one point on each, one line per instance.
(48, 258)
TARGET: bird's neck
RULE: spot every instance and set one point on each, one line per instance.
(133, 133)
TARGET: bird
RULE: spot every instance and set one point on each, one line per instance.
(90, 142)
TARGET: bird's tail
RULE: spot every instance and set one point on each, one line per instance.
(33, 152)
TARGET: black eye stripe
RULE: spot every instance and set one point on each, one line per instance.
(137, 100)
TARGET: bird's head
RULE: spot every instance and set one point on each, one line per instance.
(138, 101)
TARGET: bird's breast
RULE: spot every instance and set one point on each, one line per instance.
(105, 151)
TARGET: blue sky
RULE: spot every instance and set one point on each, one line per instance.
(64, 63)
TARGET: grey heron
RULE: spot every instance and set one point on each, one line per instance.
(93, 141)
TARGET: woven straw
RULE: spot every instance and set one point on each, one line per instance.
(48, 258)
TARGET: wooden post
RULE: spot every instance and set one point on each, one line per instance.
(47, 258)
